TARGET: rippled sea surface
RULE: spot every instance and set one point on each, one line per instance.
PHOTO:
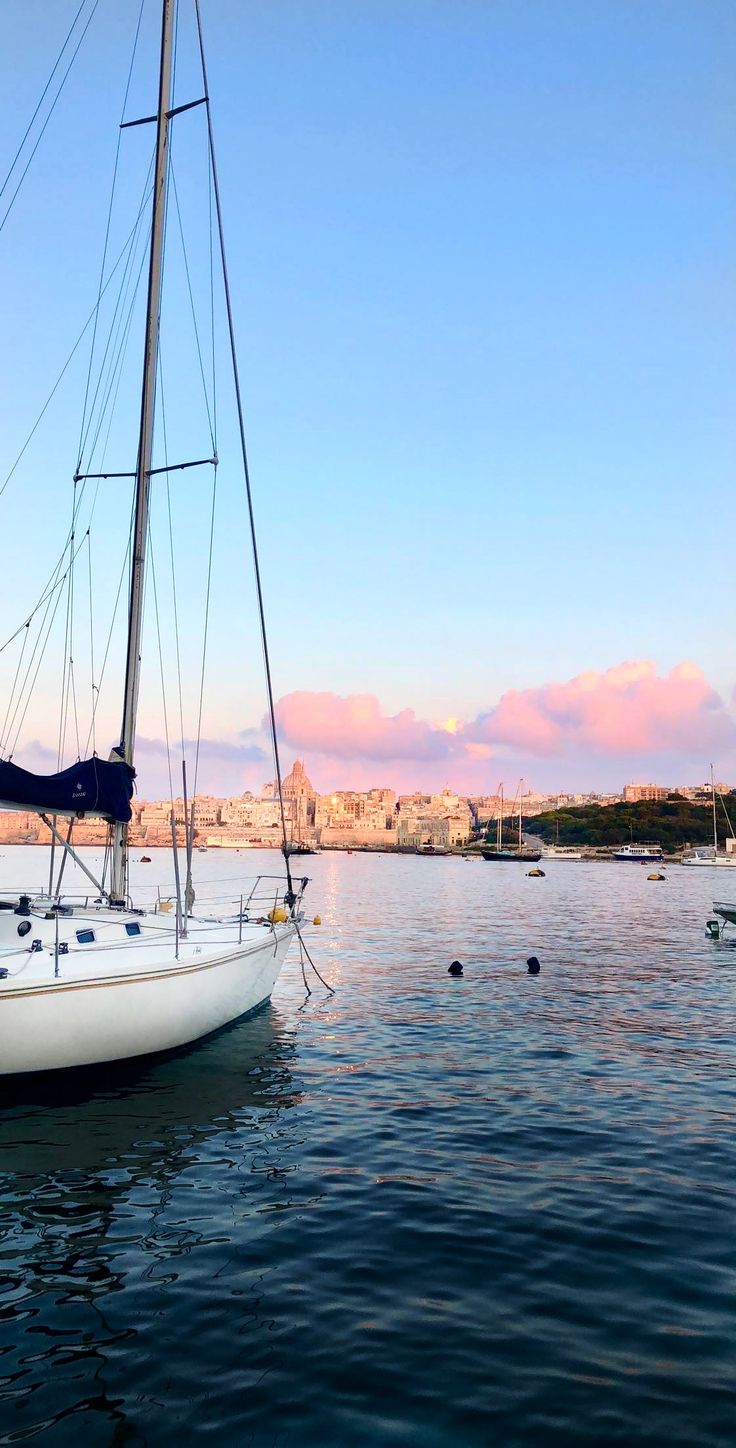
(421, 1211)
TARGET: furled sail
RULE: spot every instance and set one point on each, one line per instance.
(95, 786)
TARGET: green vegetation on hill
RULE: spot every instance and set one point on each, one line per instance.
(672, 823)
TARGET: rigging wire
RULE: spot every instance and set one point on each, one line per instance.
(191, 304)
(44, 93)
(107, 229)
(243, 448)
(35, 676)
(72, 686)
(64, 696)
(48, 597)
(109, 380)
(68, 683)
(15, 681)
(54, 582)
(117, 344)
(162, 411)
(123, 572)
(78, 342)
(212, 307)
(161, 666)
(115, 323)
(206, 631)
(91, 640)
(50, 112)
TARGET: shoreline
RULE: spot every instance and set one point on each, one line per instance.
(590, 854)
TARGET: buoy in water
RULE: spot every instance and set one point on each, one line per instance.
(656, 876)
(455, 969)
(532, 966)
(317, 920)
(532, 874)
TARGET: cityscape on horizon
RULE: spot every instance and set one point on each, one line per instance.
(378, 818)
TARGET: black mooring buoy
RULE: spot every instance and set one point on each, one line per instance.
(455, 969)
(532, 966)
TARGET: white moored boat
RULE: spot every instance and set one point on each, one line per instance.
(705, 855)
(94, 979)
(710, 855)
(640, 854)
(84, 983)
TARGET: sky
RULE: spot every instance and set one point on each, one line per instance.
(482, 256)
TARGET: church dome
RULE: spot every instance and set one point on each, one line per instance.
(297, 782)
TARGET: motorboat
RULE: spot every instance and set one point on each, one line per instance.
(644, 854)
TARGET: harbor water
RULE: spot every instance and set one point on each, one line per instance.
(492, 1210)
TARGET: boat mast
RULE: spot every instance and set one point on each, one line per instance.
(118, 885)
(499, 830)
(715, 823)
(521, 797)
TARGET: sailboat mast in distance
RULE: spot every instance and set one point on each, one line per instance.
(118, 885)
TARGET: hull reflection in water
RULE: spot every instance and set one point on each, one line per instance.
(80, 1120)
(111, 1177)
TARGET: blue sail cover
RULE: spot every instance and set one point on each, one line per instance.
(96, 786)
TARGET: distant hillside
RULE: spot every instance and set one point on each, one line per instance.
(673, 823)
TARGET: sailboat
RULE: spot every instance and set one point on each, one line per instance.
(710, 854)
(90, 979)
(560, 852)
(518, 852)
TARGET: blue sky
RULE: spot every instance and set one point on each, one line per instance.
(482, 257)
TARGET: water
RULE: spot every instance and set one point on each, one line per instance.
(422, 1211)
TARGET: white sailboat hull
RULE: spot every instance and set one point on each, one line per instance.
(719, 862)
(133, 1000)
(725, 910)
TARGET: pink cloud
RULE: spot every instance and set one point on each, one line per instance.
(629, 709)
(600, 727)
(355, 725)
(628, 712)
